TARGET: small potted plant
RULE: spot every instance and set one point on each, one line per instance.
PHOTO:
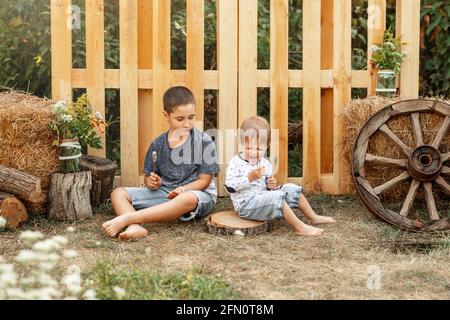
(76, 126)
(387, 58)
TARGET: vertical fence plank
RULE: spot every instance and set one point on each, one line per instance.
(227, 47)
(311, 95)
(326, 114)
(129, 93)
(95, 62)
(161, 62)
(61, 37)
(376, 25)
(248, 59)
(342, 12)
(410, 35)
(279, 85)
(195, 57)
(145, 61)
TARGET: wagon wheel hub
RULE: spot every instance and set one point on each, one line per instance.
(425, 163)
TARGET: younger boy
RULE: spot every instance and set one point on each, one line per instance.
(254, 190)
(179, 169)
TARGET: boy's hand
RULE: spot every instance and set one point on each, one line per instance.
(172, 194)
(153, 181)
(256, 174)
(271, 183)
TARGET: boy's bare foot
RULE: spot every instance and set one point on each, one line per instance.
(132, 232)
(322, 219)
(308, 231)
(113, 226)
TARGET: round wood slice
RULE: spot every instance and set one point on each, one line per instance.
(229, 223)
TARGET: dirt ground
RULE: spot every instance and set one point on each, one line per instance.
(341, 264)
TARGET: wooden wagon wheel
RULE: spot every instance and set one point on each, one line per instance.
(423, 165)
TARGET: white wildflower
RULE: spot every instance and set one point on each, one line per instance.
(66, 118)
(72, 282)
(98, 243)
(27, 281)
(120, 292)
(59, 106)
(3, 222)
(90, 294)
(70, 229)
(16, 294)
(7, 275)
(70, 298)
(98, 115)
(47, 245)
(70, 254)
(26, 256)
(60, 239)
(31, 235)
(46, 266)
(1, 259)
(46, 280)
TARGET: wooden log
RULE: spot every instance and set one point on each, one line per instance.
(102, 173)
(229, 223)
(13, 210)
(69, 196)
(21, 184)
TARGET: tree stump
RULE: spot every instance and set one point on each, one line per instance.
(69, 196)
(102, 172)
(13, 210)
(229, 223)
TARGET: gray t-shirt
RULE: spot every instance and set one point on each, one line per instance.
(182, 165)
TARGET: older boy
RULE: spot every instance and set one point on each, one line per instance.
(179, 169)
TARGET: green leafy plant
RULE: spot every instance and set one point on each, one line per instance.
(76, 127)
(389, 54)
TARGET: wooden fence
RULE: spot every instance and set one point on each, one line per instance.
(327, 77)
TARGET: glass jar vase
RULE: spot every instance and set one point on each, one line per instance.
(69, 155)
(386, 81)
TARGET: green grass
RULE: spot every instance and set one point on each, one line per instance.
(139, 285)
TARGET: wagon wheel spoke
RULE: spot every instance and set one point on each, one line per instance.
(410, 198)
(443, 184)
(406, 150)
(416, 128)
(442, 133)
(431, 204)
(391, 183)
(389, 162)
(445, 170)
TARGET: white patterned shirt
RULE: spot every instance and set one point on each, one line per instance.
(237, 182)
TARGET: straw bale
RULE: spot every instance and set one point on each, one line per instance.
(25, 139)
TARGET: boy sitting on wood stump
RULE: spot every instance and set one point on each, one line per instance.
(179, 168)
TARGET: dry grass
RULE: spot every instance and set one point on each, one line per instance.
(277, 265)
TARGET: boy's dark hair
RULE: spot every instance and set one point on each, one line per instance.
(177, 96)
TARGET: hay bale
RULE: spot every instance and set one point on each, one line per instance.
(356, 115)
(25, 139)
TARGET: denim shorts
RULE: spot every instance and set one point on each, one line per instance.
(142, 197)
(268, 205)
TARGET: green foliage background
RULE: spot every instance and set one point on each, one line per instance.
(26, 58)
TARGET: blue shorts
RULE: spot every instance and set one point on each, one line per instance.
(142, 197)
(268, 205)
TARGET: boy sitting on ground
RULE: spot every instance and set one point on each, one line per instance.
(179, 168)
(254, 190)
